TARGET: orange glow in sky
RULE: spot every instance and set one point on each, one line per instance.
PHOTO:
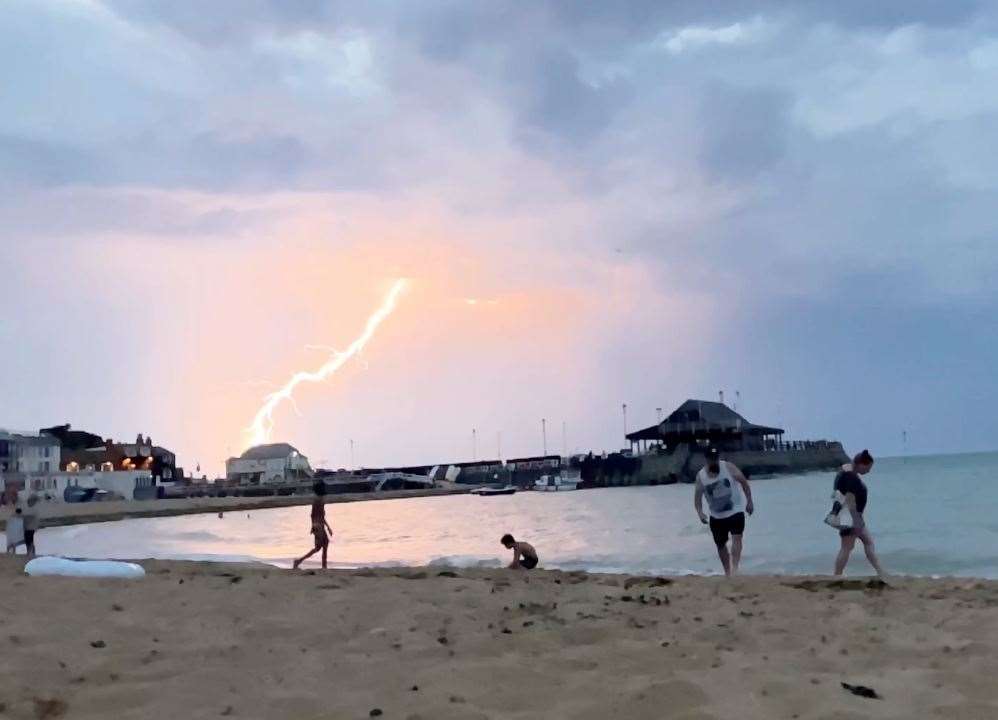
(228, 327)
(260, 430)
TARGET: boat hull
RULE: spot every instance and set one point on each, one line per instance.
(490, 492)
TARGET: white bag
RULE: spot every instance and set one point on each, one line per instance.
(14, 531)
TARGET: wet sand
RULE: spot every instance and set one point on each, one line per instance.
(200, 640)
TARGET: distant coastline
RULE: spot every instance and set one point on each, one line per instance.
(63, 514)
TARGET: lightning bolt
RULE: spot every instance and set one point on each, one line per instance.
(263, 422)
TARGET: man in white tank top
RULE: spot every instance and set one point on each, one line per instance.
(729, 497)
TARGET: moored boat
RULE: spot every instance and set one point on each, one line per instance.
(490, 491)
(557, 483)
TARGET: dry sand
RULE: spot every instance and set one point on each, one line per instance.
(198, 640)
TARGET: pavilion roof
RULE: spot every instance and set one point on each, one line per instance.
(702, 418)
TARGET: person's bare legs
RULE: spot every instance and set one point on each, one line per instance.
(722, 552)
(848, 541)
(307, 555)
(325, 552)
(736, 553)
(871, 552)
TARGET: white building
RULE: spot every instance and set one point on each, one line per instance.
(266, 464)
(28, 453)
(51, 487)
(30, 465)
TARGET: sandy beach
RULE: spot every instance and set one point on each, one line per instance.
(199, 640)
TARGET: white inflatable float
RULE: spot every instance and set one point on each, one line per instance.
(83, 568)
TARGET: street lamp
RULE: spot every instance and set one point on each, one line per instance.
(544, 435)
(624, 408)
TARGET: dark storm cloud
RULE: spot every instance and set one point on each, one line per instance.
(535, 60)
(744, 130)
(556, 102)
(227, 21)
(893, 13)
(25, 162)
(448, 29)
(640, 15)
(82, 213)
(813, 175)
(267, 160)
(205, 161)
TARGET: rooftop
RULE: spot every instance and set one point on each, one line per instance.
(34, 439)
(74, 439)
(702, 416)
(271, 451)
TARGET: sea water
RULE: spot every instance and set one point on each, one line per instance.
(935, 515)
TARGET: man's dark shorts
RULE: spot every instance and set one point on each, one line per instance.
(720, 528)
(528, 562)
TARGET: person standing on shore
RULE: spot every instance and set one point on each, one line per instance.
(320, 527)
(14, 531)
(729, 497)
(849, 484)
(31, 522)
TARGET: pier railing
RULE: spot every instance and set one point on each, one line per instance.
(768, 445)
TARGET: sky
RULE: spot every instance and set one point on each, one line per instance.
(594, 203)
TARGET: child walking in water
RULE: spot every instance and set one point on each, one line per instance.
(320, 527)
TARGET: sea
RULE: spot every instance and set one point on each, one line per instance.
(930, 516)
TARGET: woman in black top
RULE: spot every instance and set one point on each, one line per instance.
(850, 484)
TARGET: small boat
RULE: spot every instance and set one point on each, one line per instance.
(490, 491)
(557, 483)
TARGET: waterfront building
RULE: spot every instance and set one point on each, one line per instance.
(84, 451)
(672, 450)
(268, 464)
(28, 452)
(704, 422)
(22, 453)
(59, 463)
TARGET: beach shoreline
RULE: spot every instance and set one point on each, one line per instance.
(207, 640)
(62, 514)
